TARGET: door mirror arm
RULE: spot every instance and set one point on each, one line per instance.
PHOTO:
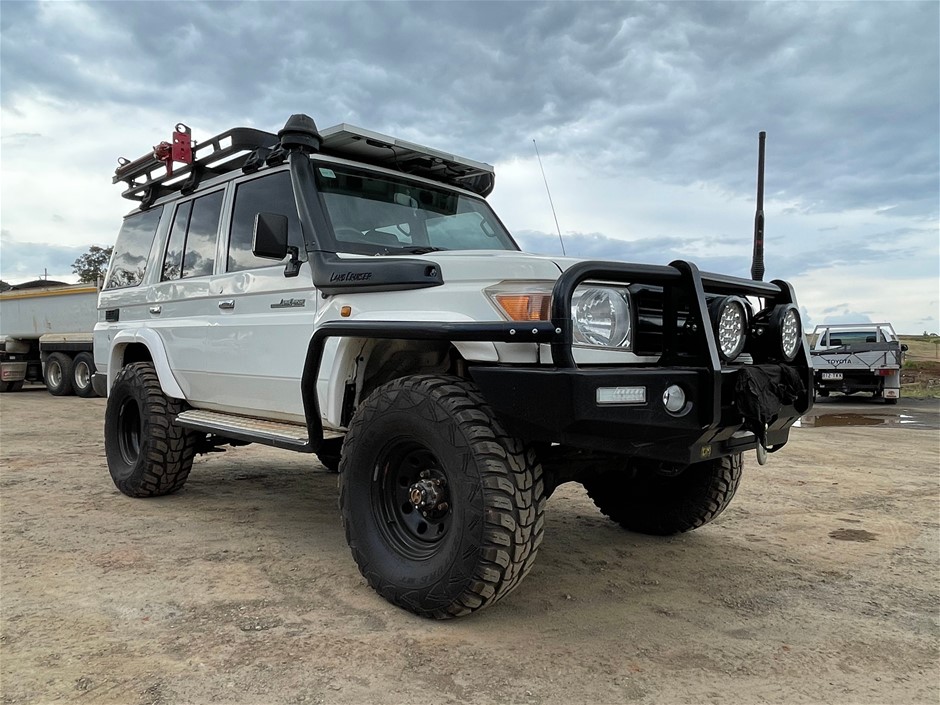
(292, 268)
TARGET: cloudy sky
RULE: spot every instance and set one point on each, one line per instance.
(646, 116)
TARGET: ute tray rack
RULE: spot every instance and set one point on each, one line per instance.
(148, 178)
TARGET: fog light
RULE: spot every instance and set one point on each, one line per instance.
(674, 399)
(621, 395)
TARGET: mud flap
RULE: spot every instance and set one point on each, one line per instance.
(759, 393)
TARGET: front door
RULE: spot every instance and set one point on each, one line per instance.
(261, 321)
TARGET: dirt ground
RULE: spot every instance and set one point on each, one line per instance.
(818, 584)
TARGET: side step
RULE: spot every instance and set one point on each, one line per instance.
(280, 434)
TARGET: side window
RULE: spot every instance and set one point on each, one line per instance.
(269, 194)
(173, 262)
(199, 256)
(129, 262)
(190, 249)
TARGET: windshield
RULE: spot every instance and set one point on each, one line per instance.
(375, 214)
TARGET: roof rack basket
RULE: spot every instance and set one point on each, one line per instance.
(147, 178)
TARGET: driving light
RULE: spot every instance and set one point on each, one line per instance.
(786, 323)
(674, 399)
(601, 317)
(729, 318)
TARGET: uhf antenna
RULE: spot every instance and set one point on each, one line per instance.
(757, 261)
(549, 197)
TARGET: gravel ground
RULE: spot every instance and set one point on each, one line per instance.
(818, 584)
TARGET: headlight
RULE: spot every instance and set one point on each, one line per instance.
(729, 318)
(601, 317)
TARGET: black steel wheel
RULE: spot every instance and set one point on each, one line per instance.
(412, 497)
(443, 510)
(148, 455)
(83, 367)
(647, 502)
(57, 374)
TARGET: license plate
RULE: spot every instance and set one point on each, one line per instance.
(832, 375)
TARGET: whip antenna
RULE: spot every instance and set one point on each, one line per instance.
(549, 197)
(757, 261)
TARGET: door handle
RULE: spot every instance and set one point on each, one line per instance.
(156, 309)
(227, 303)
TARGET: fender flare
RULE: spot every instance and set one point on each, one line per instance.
(339, 358)
(152, 341)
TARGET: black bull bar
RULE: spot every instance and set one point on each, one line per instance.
(732, 408)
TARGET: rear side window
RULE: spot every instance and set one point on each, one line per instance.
(269, 194)
(129, 262)
(190, 250)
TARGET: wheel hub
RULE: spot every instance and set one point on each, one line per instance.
(412, 495)
(425, 493)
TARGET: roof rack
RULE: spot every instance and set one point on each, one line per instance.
(361, 145)
(149, 177)
(153, 176)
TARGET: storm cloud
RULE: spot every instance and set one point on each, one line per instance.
(671, 93)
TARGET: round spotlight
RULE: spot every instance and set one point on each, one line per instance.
(729, 317)
(790, 332)
(674, 399)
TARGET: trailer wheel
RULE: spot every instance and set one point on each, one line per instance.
(58, 374)
(11, 386)
(83, 367)
(443, 510)
(148, 455)
(662, 505)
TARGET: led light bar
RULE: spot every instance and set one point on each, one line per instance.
(621, 395)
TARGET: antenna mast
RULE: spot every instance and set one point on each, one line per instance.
(757, 261)
(549, 198)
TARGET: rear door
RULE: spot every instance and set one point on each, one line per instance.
(179, 303)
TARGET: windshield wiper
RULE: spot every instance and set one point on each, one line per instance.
(423, 250)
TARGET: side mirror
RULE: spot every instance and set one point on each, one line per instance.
(269, 236)
(904, 347)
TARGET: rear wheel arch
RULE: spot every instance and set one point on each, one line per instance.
(143, 345)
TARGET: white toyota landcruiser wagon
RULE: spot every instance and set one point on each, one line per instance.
(345, 293)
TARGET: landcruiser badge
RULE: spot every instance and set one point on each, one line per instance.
(351, 277)
(290, 303)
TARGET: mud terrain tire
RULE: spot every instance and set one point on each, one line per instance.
(148, 455)
(433, 438)
(661, 505)
(57, 374)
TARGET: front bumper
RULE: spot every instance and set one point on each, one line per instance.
(734, 407)
(560, 406)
